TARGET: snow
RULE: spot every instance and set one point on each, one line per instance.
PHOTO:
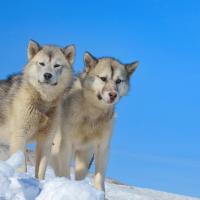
(23, 186)
(61, 188)
(124, 192)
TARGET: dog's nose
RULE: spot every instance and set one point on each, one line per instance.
(47, 76)
(112, 95)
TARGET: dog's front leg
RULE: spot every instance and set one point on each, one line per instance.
(101, 157)
(64, 160)
(83, 158)
(38, 156)
(43, 152)
(18, 143)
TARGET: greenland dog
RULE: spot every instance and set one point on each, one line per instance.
(30, 102)
(87, 118)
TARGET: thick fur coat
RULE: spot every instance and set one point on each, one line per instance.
(30, 103)
(87, 117)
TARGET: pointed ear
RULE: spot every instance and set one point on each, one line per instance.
(90, 61)
(69, 53)
(131, 67)
(33, 48)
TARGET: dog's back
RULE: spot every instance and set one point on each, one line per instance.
(8, 89)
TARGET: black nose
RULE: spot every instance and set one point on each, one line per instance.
(47, 76)
(112, 95)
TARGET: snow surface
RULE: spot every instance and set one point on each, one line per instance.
(22, 186)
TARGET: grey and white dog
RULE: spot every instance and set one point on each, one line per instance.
(30, 103)
(87, 118)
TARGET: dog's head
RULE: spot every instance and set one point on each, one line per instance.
(49, 67)
(107, 78)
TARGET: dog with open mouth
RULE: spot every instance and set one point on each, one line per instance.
(87, 117)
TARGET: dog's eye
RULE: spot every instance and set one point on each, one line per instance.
(104, 79)
(41, 63)
(56, 65)
(118, 81)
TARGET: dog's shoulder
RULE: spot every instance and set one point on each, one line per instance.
(73, 97)
(77, 85)
(75, 89)
(10, 85)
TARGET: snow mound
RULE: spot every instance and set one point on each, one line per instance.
(15, 186)
(62, 188)
(22, 186)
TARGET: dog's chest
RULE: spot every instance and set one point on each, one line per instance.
(91, 128)
(46, 119)
(87, 133)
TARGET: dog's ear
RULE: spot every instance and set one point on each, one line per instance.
(69, 53)
(90, 61)
(131, 67)
(33, 48)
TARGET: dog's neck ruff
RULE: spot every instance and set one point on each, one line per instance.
(45, 106)
(48, 108)
(96, 120)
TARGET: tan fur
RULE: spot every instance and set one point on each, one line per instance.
(34, 109)
(87, 118)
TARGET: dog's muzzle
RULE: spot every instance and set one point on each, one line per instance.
(45, 82)
(47, 76)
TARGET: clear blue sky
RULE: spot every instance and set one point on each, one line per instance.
(156, 142)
